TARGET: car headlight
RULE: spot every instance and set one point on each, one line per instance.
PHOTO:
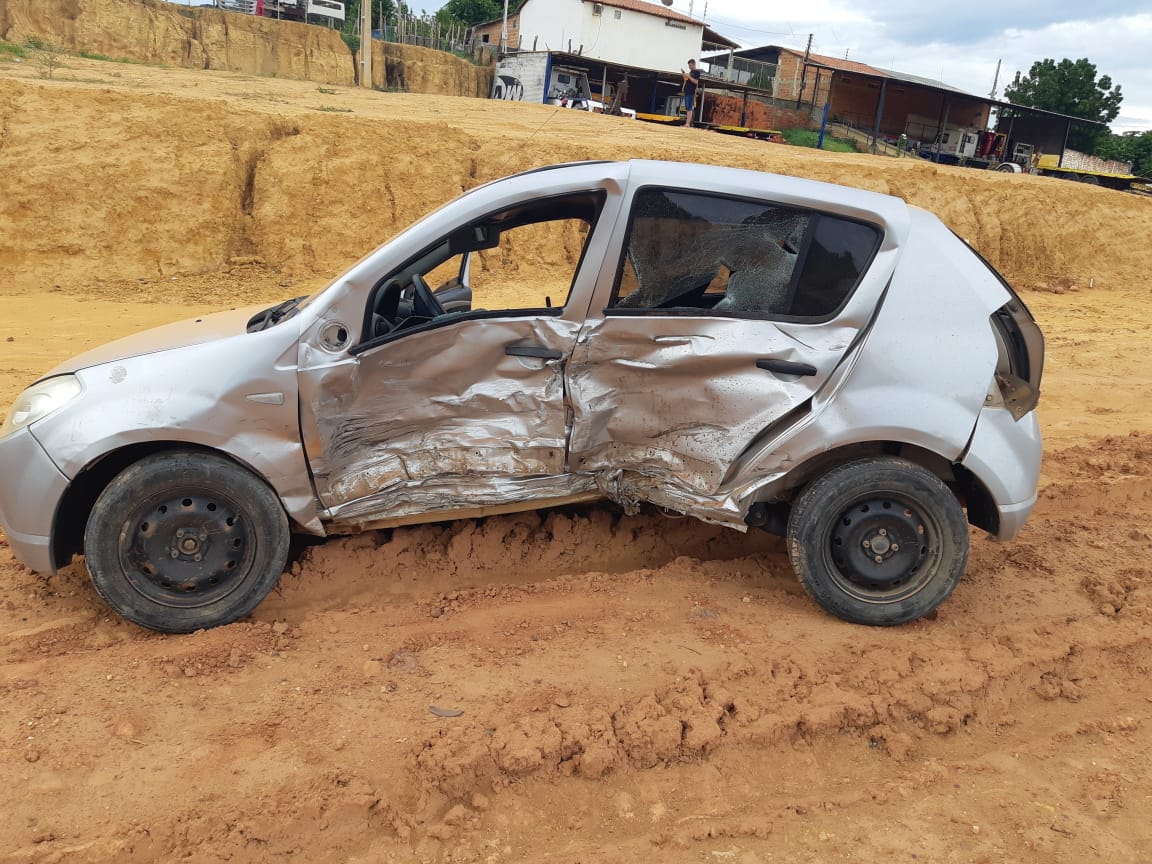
(39, 401)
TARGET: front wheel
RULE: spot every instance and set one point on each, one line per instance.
(184, 541)
(879, 541)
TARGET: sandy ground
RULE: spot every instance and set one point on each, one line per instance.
(632, 689)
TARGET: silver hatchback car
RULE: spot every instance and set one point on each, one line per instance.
(824, 363)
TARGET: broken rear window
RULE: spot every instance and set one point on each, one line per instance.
(728, 256)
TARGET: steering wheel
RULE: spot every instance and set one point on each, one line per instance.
(424, 302)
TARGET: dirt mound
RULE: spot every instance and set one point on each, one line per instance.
(157, 32)
(578, 685)
(167, 183)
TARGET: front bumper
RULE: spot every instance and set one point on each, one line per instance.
(1005, 455)
(30, 490)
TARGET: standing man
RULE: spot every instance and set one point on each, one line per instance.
(691, 82)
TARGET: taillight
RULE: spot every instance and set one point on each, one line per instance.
(1020, 360)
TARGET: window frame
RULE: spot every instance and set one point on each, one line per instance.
(600, 198)
(801, 255)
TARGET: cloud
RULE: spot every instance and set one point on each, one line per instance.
(960, 46)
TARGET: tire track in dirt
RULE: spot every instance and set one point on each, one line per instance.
(674, 662)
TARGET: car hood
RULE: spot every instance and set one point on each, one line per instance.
(182, 334)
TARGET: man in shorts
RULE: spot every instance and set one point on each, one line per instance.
(691, 82)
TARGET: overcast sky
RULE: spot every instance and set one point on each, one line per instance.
(959, 43)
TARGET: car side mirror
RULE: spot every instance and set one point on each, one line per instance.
(473, 238)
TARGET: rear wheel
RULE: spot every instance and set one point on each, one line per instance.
(184, 541)
(879, 541)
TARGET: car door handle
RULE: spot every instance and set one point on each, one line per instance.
(785, 367)
(537, 351)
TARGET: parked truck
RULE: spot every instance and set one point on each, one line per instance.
(287, 10)
(972, 148)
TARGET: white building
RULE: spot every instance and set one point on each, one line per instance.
(628, 32)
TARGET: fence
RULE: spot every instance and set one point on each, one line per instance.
(425, 31)
(740, 70)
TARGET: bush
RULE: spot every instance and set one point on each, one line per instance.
(13, 49)
(47, 56)
(808, 138)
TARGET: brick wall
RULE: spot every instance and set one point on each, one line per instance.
(723, 110)
(492, 31)
(788, 83)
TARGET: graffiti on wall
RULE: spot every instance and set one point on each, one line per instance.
(509, 88)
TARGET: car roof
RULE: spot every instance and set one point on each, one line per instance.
(798, 191)
(890, 212)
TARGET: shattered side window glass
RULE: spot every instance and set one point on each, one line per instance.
(738, 257)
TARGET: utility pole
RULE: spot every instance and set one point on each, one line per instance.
(366, 43)
(995, 83)
(804, 73)
(504, 31)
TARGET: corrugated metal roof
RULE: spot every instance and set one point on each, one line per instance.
(905, 78)
(836, 63)
(864, 69)
(712, 37)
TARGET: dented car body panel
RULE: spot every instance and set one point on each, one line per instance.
(205, 394)
(447, 402)
(692, 337)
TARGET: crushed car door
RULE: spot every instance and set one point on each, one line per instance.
(453, 400)
(726, 314)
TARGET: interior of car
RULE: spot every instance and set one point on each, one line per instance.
(438, 282)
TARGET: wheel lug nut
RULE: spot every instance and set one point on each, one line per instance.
(198, 557)
(175, 554)
(203, 537)
(879, 559)
(883, 532)
(867, 544)
(180, 532)
(895, 547)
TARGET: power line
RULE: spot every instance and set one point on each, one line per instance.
(736, 26)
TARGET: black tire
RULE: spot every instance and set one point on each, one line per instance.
(880, 507)
(185, 540)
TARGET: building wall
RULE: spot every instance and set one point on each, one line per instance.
(521, 77)
(632, 39)
(853, 100)
(905, 110)
(551, 24)
(791, 83)
(493, 28)
(756, 113)
(638, 39)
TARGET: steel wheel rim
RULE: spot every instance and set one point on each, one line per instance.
(883, 547)
(187, 548)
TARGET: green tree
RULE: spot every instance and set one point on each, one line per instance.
(1134, 147)
(352, 11)
(473, 11)
(1072, 88)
